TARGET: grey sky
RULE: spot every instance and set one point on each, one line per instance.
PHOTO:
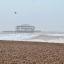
(47, 15)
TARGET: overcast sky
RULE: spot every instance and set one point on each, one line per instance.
(47, 15)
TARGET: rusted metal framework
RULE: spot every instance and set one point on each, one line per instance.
(25, 28)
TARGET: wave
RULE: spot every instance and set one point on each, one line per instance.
(39, 37)
(55, 34)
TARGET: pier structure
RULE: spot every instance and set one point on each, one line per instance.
(25, 28)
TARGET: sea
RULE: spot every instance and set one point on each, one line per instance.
(49, 37)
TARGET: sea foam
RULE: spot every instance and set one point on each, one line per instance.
(38, 37)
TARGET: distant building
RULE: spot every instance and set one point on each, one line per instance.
(25, 28)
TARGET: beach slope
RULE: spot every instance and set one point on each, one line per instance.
(19, 52)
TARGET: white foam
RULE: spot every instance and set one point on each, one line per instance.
(55, 34)
(49, 41)
(28, 37)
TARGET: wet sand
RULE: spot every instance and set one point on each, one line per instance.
(19, 52)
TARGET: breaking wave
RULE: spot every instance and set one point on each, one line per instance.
(39, 37)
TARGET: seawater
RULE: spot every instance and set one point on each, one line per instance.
(50, 37)
(43, 37)
(15, 36)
